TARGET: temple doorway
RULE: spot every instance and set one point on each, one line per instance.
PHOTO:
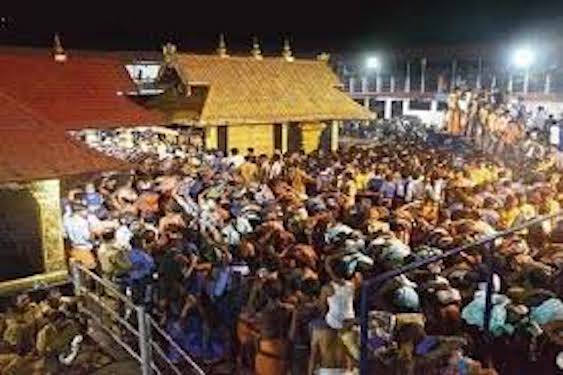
(222, 139)
(294, 138)
(21, 250)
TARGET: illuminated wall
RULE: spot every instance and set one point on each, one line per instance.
(260, 137)
(311, 133)
(47, 194)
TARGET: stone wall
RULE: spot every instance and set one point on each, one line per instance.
(47, 194)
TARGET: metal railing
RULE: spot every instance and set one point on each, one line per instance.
(129, 325)
(374, 284)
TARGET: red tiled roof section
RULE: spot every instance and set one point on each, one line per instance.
(31, 150)
(83, 92)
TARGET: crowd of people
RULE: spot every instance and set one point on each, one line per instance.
(257, 260)
(47, 337)
(499, 125)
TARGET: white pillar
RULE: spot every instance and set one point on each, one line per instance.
(510, 84)
(334, 135)
(366, 102)
(526, 81)
(365, 87)
(434, 105)
(388, 109)
(378, 82)
(406, 106)
(494, 82)
(392, 84)
(423, 75)
(547, 86)
(284, 138)
(408, 78)
(351, 84)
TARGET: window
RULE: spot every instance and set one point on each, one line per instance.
(419, 105)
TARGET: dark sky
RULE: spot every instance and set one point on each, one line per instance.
(346, 25)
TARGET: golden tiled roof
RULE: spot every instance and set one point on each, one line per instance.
(245, 90)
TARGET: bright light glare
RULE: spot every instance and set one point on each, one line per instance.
(372, 63)
(523, 58)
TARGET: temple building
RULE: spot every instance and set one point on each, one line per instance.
(268, 103)
(44, 96)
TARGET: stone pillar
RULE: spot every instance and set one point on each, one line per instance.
(453, 82)
(366, 102)
(408, 78)
(365, 87)
(335, 127)
(47, 194)
(392, 84)
(510, 84)
(423, 75)
(351, 84)
(211, 138)
(284, 138)
(388, 110)
(547, 85)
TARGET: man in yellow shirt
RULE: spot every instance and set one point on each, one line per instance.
(361, 178)
(510, 212)
(249, 170)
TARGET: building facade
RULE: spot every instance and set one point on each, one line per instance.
(45, 95)
(416, 81)
(267, 103)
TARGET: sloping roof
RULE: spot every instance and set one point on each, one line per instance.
(85, 91)
(32, 150)
(251, 91)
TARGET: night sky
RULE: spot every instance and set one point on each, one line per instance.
(313, 26)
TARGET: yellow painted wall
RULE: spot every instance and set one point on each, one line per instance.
(211, 139)
(260, 137)
(311, 132)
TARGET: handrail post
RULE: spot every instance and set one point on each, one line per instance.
(144, 342)
(490, 288)
(364, 326)
(489, 248)
(76, 279)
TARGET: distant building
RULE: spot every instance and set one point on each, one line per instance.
(415, 81)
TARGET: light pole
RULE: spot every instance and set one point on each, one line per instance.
(373, 64)
(524, 58)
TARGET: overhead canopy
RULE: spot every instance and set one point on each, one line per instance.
(84, 91)
(246, 90)
(32, 150)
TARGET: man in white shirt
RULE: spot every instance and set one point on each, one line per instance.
(235, 160)
(77, 230)
(276, 168)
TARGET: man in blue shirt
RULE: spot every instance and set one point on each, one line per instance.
(142, 267)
